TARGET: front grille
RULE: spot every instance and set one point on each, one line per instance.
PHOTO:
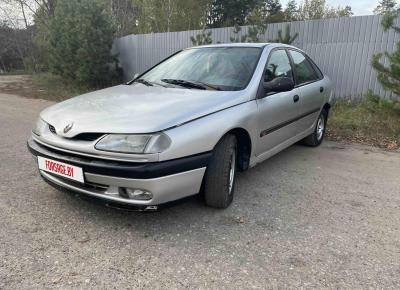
(52, 129)
(88, 136)
(81, 137)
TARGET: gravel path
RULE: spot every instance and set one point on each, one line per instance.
(307, 218)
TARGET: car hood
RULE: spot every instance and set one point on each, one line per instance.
(136, 109)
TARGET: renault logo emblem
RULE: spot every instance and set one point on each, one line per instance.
(68, 127)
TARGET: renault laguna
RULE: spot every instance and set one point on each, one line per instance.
(185, 126)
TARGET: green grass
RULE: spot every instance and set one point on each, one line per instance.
(53, 87)
(15, 72)
(372, 121)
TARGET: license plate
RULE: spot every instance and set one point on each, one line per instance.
(61, 169)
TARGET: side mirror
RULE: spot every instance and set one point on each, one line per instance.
(278, 85)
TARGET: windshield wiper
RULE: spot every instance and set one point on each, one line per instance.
(143, 81)
(148, 83)
(190, 84)
(209, 86)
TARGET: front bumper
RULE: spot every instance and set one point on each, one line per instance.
(167, 180)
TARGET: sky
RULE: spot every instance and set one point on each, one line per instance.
(360, 7)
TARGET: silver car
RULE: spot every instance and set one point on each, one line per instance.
(185, 126)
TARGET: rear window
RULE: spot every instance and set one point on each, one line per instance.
(304, 69)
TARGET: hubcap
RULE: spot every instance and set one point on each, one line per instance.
(320, 127)
(232, 171)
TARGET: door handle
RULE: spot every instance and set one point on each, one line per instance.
(296, 98)
(321, 89)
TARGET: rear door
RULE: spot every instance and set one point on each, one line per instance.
(309, 88)
(277, 112)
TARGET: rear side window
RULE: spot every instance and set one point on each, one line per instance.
(304, 70)
(278, 66)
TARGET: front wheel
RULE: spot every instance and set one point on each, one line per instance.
(219, 183)
(315, 139)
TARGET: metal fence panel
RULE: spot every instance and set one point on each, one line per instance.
(342, 47)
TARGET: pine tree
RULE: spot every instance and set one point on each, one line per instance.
(273, 11)
(230, 12)
(286, 38)
(273, 6)
(345, 12)
(385, 6)
(202, 38)
(291, 11)
(389, 76)
(81, 37)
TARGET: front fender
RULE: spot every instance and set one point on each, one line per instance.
(203, 134)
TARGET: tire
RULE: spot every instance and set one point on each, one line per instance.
(316, 138)
(219, 182)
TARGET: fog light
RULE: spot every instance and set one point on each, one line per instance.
(138, 194)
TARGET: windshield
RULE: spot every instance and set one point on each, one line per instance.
(222, 68)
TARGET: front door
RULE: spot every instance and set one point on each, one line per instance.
(277, 112)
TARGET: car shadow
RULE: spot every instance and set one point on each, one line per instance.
(253, 200)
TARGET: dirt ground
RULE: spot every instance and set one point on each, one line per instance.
(309, 218)
(19, 85)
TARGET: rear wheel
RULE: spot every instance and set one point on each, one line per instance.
(316, 138)
(219, 183)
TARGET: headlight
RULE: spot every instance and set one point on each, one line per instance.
(134, 143)
(39, 127)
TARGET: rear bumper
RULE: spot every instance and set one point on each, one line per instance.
(167, 180)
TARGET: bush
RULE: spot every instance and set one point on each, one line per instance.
(375, 103)
(389, 76)
(81, 37)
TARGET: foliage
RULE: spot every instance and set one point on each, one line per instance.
(388, 21)
(374, 103)
(273, 11)
(202, 38)
(42, 19)
(389, 76)
(344, 12)
(230, 12)
(318, 9)
(273, 6)
(291, 12)
(80, 41)
(123, 14)
(372, 121)
(170, 15)
(255, 32)
(385, 6)
(286, 38)
(55, 88)
(236, 37)
(14, 49)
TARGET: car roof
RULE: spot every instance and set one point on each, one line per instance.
(245, 44)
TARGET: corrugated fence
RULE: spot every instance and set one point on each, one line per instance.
(342, 47)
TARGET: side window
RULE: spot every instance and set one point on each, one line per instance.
(278, 66)
(304, 70)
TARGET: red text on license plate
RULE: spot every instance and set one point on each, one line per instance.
(61, 169)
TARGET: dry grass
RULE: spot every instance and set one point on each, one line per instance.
(372, 121)
(53, 87)
(41, 86)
